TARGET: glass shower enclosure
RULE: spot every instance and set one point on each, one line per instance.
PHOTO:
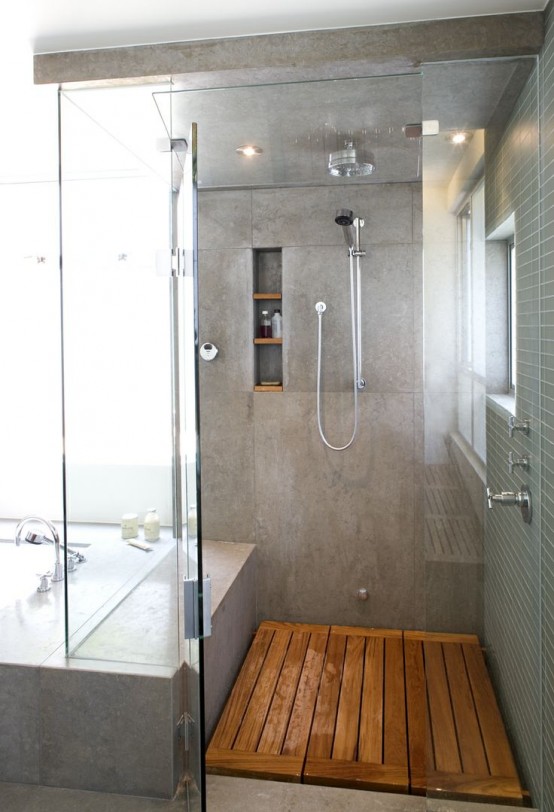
(129, 398)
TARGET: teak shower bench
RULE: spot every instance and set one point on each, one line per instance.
(377, 709)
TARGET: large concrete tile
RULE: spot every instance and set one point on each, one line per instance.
(226, 319)
(22, 798)
(306, 216)
(388, 318)
(227, 445)
(224, 219)
(311, 275)
(19, 724)
(106, 732)
(230, 794)
(329, 523)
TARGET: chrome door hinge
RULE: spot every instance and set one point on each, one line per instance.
(170, 262)
(191, 606)
(177, 262)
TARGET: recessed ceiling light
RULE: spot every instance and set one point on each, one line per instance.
(458, 138)
(248, 150)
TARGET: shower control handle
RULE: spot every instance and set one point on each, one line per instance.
(522, 462)
(521, 499)
(517, 425)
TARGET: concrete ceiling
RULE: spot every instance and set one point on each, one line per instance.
(59, 25)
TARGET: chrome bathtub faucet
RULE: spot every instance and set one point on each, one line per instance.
(58, 573)
(73, 556)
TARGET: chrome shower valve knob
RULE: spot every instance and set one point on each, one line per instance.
(521, 499)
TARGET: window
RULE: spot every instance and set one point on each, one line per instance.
(512, 323)
(465, 280)
(472, 354)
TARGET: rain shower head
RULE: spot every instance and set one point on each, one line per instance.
(350, 162)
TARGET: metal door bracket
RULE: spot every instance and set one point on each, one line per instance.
(191, 604)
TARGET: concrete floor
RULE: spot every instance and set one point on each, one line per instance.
(230, 795)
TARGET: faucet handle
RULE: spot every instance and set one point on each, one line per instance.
(44, 585)
(522, 462)
(517, 425)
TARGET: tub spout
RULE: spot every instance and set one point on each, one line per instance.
(58, 573)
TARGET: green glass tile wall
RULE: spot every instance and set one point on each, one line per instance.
(512, 609)
(519, 560)
(547, 403)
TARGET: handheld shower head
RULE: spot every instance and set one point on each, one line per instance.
(351, 226)
(344, 217)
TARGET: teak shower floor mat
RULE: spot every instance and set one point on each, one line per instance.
(379, 709)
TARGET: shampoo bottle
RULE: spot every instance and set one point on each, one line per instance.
(151, 525)
(277, 324)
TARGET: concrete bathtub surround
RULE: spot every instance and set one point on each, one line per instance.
(110, 726)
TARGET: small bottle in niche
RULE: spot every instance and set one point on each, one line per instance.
(151, 525)
(265, 325)
(277, 324)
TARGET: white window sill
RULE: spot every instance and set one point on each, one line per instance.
(503, 403)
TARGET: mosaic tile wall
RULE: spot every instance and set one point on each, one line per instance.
(519, 571)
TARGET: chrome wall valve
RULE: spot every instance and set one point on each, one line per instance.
(521, 499)
(517, 425)
(521, 462)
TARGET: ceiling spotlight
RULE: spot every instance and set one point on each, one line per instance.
(248, 150)
(458, 138)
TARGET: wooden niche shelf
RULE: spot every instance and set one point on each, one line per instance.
(268, 365)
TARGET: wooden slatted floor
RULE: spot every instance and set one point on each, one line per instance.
(367, 708)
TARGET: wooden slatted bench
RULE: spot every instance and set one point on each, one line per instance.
(367, 708)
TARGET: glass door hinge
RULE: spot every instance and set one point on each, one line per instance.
(192, 600)
(177, 262)
(170, 262)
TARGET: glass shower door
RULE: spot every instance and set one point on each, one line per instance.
(129, 394)
(184, 298)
